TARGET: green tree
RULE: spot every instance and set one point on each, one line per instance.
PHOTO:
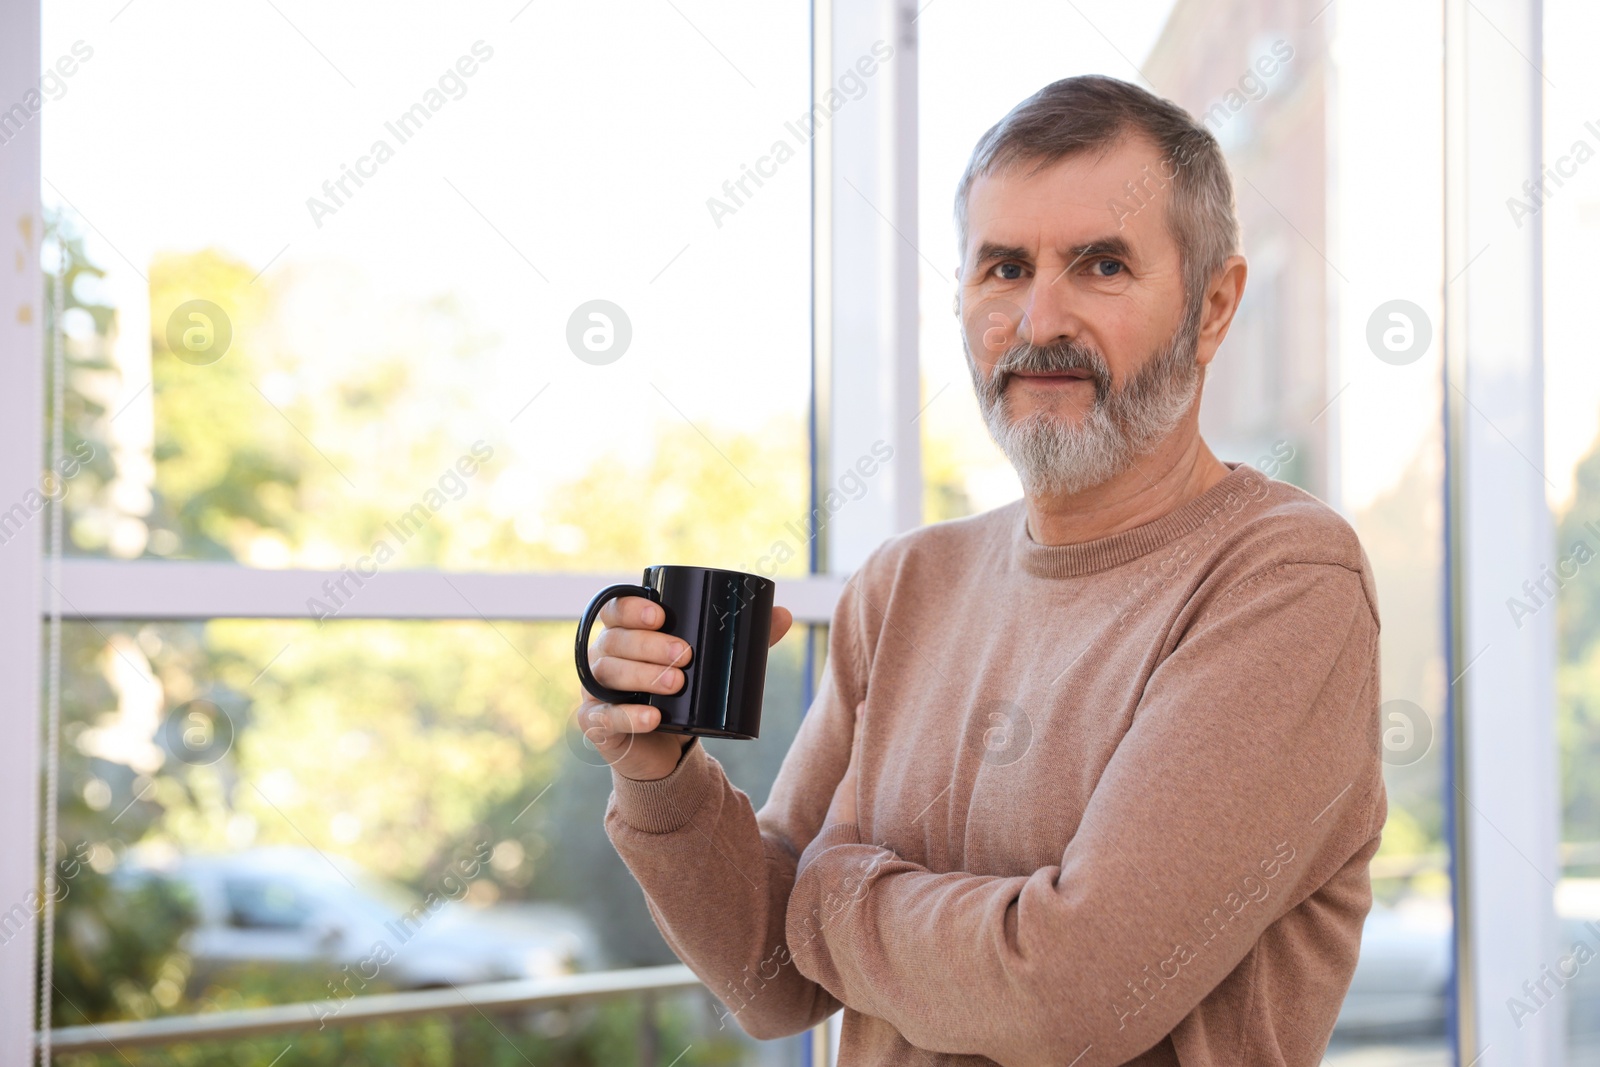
(223, 471)
(401, 744)
(85, 330)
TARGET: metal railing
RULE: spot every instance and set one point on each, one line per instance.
(521, 995)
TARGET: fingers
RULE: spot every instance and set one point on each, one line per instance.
(634, 612)
(782, 619)
(634, 676)
(646, 646)
(630, 639)
(606, 724)
(638, 613)
(631, 654)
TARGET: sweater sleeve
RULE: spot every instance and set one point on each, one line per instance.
(717, 876)
(1250, 774)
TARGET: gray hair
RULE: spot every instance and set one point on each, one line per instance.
(1092, 111)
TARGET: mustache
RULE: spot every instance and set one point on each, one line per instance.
(1028, 358)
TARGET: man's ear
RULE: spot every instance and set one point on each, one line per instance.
(1222, 301)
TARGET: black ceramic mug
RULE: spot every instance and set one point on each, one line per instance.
(726, 619)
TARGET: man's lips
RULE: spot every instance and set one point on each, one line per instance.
(1054, 376)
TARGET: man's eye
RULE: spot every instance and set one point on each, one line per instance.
(1107, 274)
(1004, 267)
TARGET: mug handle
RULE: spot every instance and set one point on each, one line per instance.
(581, 652)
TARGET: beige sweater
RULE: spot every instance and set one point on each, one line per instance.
(1116, 801)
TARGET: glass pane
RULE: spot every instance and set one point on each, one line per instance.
(1566, 203)
(272, 812)
(436, 278)
(1314, 128)
(1374, 427)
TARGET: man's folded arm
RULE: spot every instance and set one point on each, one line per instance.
(1250, 774)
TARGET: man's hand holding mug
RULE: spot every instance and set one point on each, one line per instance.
(645, 660)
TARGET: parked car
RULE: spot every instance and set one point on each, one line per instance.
(1402, 977)
(1401, 984)
(285, 906)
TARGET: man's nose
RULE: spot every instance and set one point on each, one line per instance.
(1049, 314)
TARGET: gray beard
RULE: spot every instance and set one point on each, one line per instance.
(1054, 456)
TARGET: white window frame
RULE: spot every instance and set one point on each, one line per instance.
(21, 558)
(1504, 770)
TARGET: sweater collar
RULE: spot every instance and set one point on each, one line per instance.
(1086, 557)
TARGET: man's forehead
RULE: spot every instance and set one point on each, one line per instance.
(1072, 202)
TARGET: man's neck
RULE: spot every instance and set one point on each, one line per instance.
(1176, 472)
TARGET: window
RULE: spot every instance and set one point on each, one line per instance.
(420, 311)
(391, 333)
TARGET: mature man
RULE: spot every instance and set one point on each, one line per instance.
(1091, 778)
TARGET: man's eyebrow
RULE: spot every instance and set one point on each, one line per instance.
(1113, 245)
(990, 250)
(1110, 245)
